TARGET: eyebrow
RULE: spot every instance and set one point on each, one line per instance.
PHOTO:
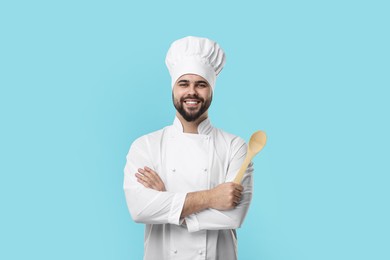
(197, 82)
(201, 81)
(183, 81)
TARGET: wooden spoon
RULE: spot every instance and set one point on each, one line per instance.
(256, 143)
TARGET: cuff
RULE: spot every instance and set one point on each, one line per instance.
(176, 208)
(192, 223)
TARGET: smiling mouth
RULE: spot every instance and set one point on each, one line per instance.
(191, 102)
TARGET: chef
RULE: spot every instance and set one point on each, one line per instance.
(178, 180)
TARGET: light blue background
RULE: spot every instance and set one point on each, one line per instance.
(80, 80)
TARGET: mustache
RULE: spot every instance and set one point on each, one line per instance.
(195, 97)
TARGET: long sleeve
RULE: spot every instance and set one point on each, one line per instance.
(212, 219)
(147, 205)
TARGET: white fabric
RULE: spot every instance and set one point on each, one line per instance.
(186, 163)
(195, 55)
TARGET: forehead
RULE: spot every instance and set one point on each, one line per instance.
(191, 77)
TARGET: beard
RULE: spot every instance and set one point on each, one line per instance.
(193, 113)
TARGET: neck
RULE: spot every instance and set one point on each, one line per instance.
(191, 127)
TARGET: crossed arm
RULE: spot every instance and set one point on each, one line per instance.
(225, 196)
(222, 207)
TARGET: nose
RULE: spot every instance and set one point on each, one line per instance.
(192, 89)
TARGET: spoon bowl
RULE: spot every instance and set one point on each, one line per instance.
(257, 142)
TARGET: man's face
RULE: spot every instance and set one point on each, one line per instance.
(192, 96)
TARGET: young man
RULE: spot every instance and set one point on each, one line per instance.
(178, 180)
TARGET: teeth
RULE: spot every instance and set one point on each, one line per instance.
(191, 102)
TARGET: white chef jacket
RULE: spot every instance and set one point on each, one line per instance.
(186, 162)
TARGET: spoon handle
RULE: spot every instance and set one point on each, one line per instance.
(243, 168)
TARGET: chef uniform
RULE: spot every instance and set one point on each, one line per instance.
(186, 163)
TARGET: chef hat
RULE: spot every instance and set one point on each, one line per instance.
(194, 55)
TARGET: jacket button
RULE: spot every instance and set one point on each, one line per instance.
(205, 170)
(200, 252)
(175, 251)
(173, 170)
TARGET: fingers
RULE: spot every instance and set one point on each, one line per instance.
(239, 187)
(141, 179)
(237, 193)
(236, 198)
(150, 179)
(226, 196)
(232, 193)
(148, 174)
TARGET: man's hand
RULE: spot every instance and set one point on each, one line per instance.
(225, 196)
(150, 179)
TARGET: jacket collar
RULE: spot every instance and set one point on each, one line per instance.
(204, 128)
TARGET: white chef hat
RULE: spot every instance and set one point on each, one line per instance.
(195, 55)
